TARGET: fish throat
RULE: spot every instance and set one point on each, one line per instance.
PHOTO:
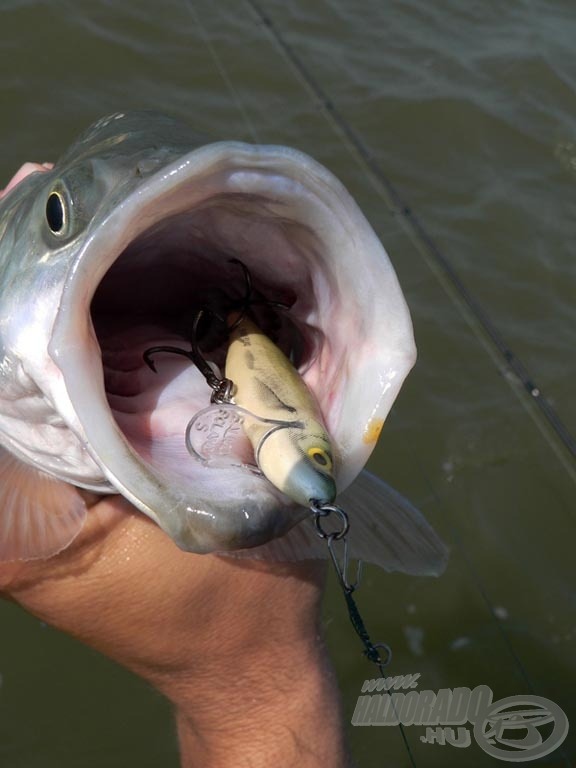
(183, 265)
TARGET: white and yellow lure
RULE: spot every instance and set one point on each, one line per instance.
(295, 453)
(278, 414)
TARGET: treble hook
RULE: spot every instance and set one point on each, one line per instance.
(248, 299)
(222, 388)
(247, 296)
(194, 355)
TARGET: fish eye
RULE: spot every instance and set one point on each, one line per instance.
(56, 213)
(321, 457)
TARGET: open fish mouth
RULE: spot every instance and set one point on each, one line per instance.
(150, 262)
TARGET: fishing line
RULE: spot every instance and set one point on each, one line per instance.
(372, 651)
(223, 73)
(536, 404)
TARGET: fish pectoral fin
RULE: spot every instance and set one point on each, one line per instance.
(39, 515)
(385, 529)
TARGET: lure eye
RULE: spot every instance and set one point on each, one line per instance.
(56, 213)
(321, 458)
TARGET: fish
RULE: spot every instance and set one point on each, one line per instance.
(113, 250)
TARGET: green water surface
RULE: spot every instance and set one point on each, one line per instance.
(469, 110)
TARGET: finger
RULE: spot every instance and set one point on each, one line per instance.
(23, 172)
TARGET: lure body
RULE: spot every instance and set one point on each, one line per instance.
(294, 452)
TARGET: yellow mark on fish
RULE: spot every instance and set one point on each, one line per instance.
(372, 431)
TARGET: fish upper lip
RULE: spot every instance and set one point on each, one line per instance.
(299, 194)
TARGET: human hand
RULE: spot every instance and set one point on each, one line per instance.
(234, 644)
(24, 171)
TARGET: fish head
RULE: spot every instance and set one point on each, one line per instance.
(117, 247)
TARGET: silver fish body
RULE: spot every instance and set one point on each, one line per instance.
(112, 252)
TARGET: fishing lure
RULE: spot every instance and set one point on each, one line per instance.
(261, 398)
(280, 416)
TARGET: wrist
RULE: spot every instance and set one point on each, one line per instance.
(286, 714)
